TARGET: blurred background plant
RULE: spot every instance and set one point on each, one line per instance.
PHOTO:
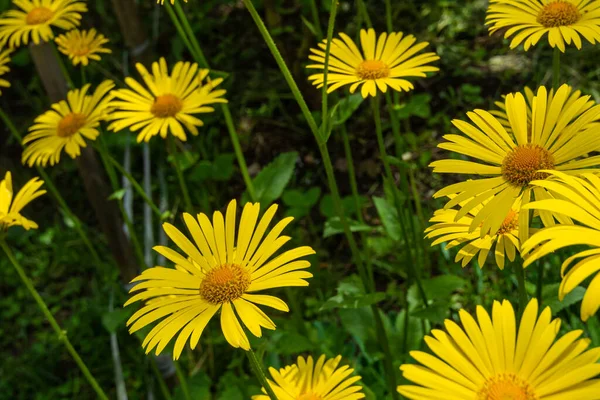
(332, 316)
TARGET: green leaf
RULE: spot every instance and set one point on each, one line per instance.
(114, 320)
(389, 218)
(417, 105)
(221, 169)
(437, 288)
(310, 26)
(348, 204)
(292, 342)
(272, 180)
(550, 297)
(436, 312)
(198, 386)
(118, 195)
(299, 199)
(333, 226)
(358, 301)
(345, 108)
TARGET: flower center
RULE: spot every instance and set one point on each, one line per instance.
(80, 49)
(372, 69)
(308, 396)
(522, 164)
(510, 223)
(225, 283)
(70, 124)
(558, 13)
(506, 387)
(165, 106)
(38, 15)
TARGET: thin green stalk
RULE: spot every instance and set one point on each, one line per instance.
(182, 381)
(540, 282)
(187, 34)
(556, 69)
(62, 335)
(363, 10)
(390, 177)
(416, 197)
(259, 373)
(315, 16)
(114, 181)
(390, 371)
(55, 193)
(388, 16)
(324, 110)
(184, 189)
(134, 183)
(62, 66)
(161, 381)
(520, 273)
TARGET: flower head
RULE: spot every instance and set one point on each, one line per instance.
(564, 21)
(579, 199)
(448, 228)
(384, 62)
(490, 359)
(559, 135)
(307, 380)
(10, 207)
(36, 18)
(82, 46)
(4, 59)
(67, 125)
(163, 1)
(169, 104)
(219, 272)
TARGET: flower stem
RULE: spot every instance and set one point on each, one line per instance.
(314, 10)
(362, 8)
(388, 16)
(260, 375)
(187, 34)
(184, 189)
(324, 111)
(182, 381)
(556, 69)
(520, 273)
(56, 194)
(62, 335)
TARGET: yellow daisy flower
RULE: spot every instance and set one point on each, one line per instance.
(559, 136)
(36, 18)
(578, 198)
(82, 46)
(217, 272)
(504, 242)
(163, 1)
(563, 20)
(4, 59)
(10, 208)
(307, 380)
(169, 105)
(66, 125)
(490, 359)
(383, 62)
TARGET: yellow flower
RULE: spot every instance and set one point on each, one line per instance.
(383, 62)
(10, 208)
(82, 46)
(504, 242)
(490, 359)
(578, 198)
(163, 1)
(37, 18)
(559, 136)
(307, 380)
(563, 20)
(169, 105)
(217, 272)
(4, 59)
(66, 125)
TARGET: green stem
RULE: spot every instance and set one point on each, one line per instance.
(62, 335)
(363, 10)
(416, 197)
(520, 272)
(161, 381)
(540, 282)
(315, 16)
(62, 67)
(324, 110)
(187, 34)
(55, 193)
(556, 69)
(182, 381)
(388, 364)
(184, 189)
(388, 16)
(260, 375)
(134, 183)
